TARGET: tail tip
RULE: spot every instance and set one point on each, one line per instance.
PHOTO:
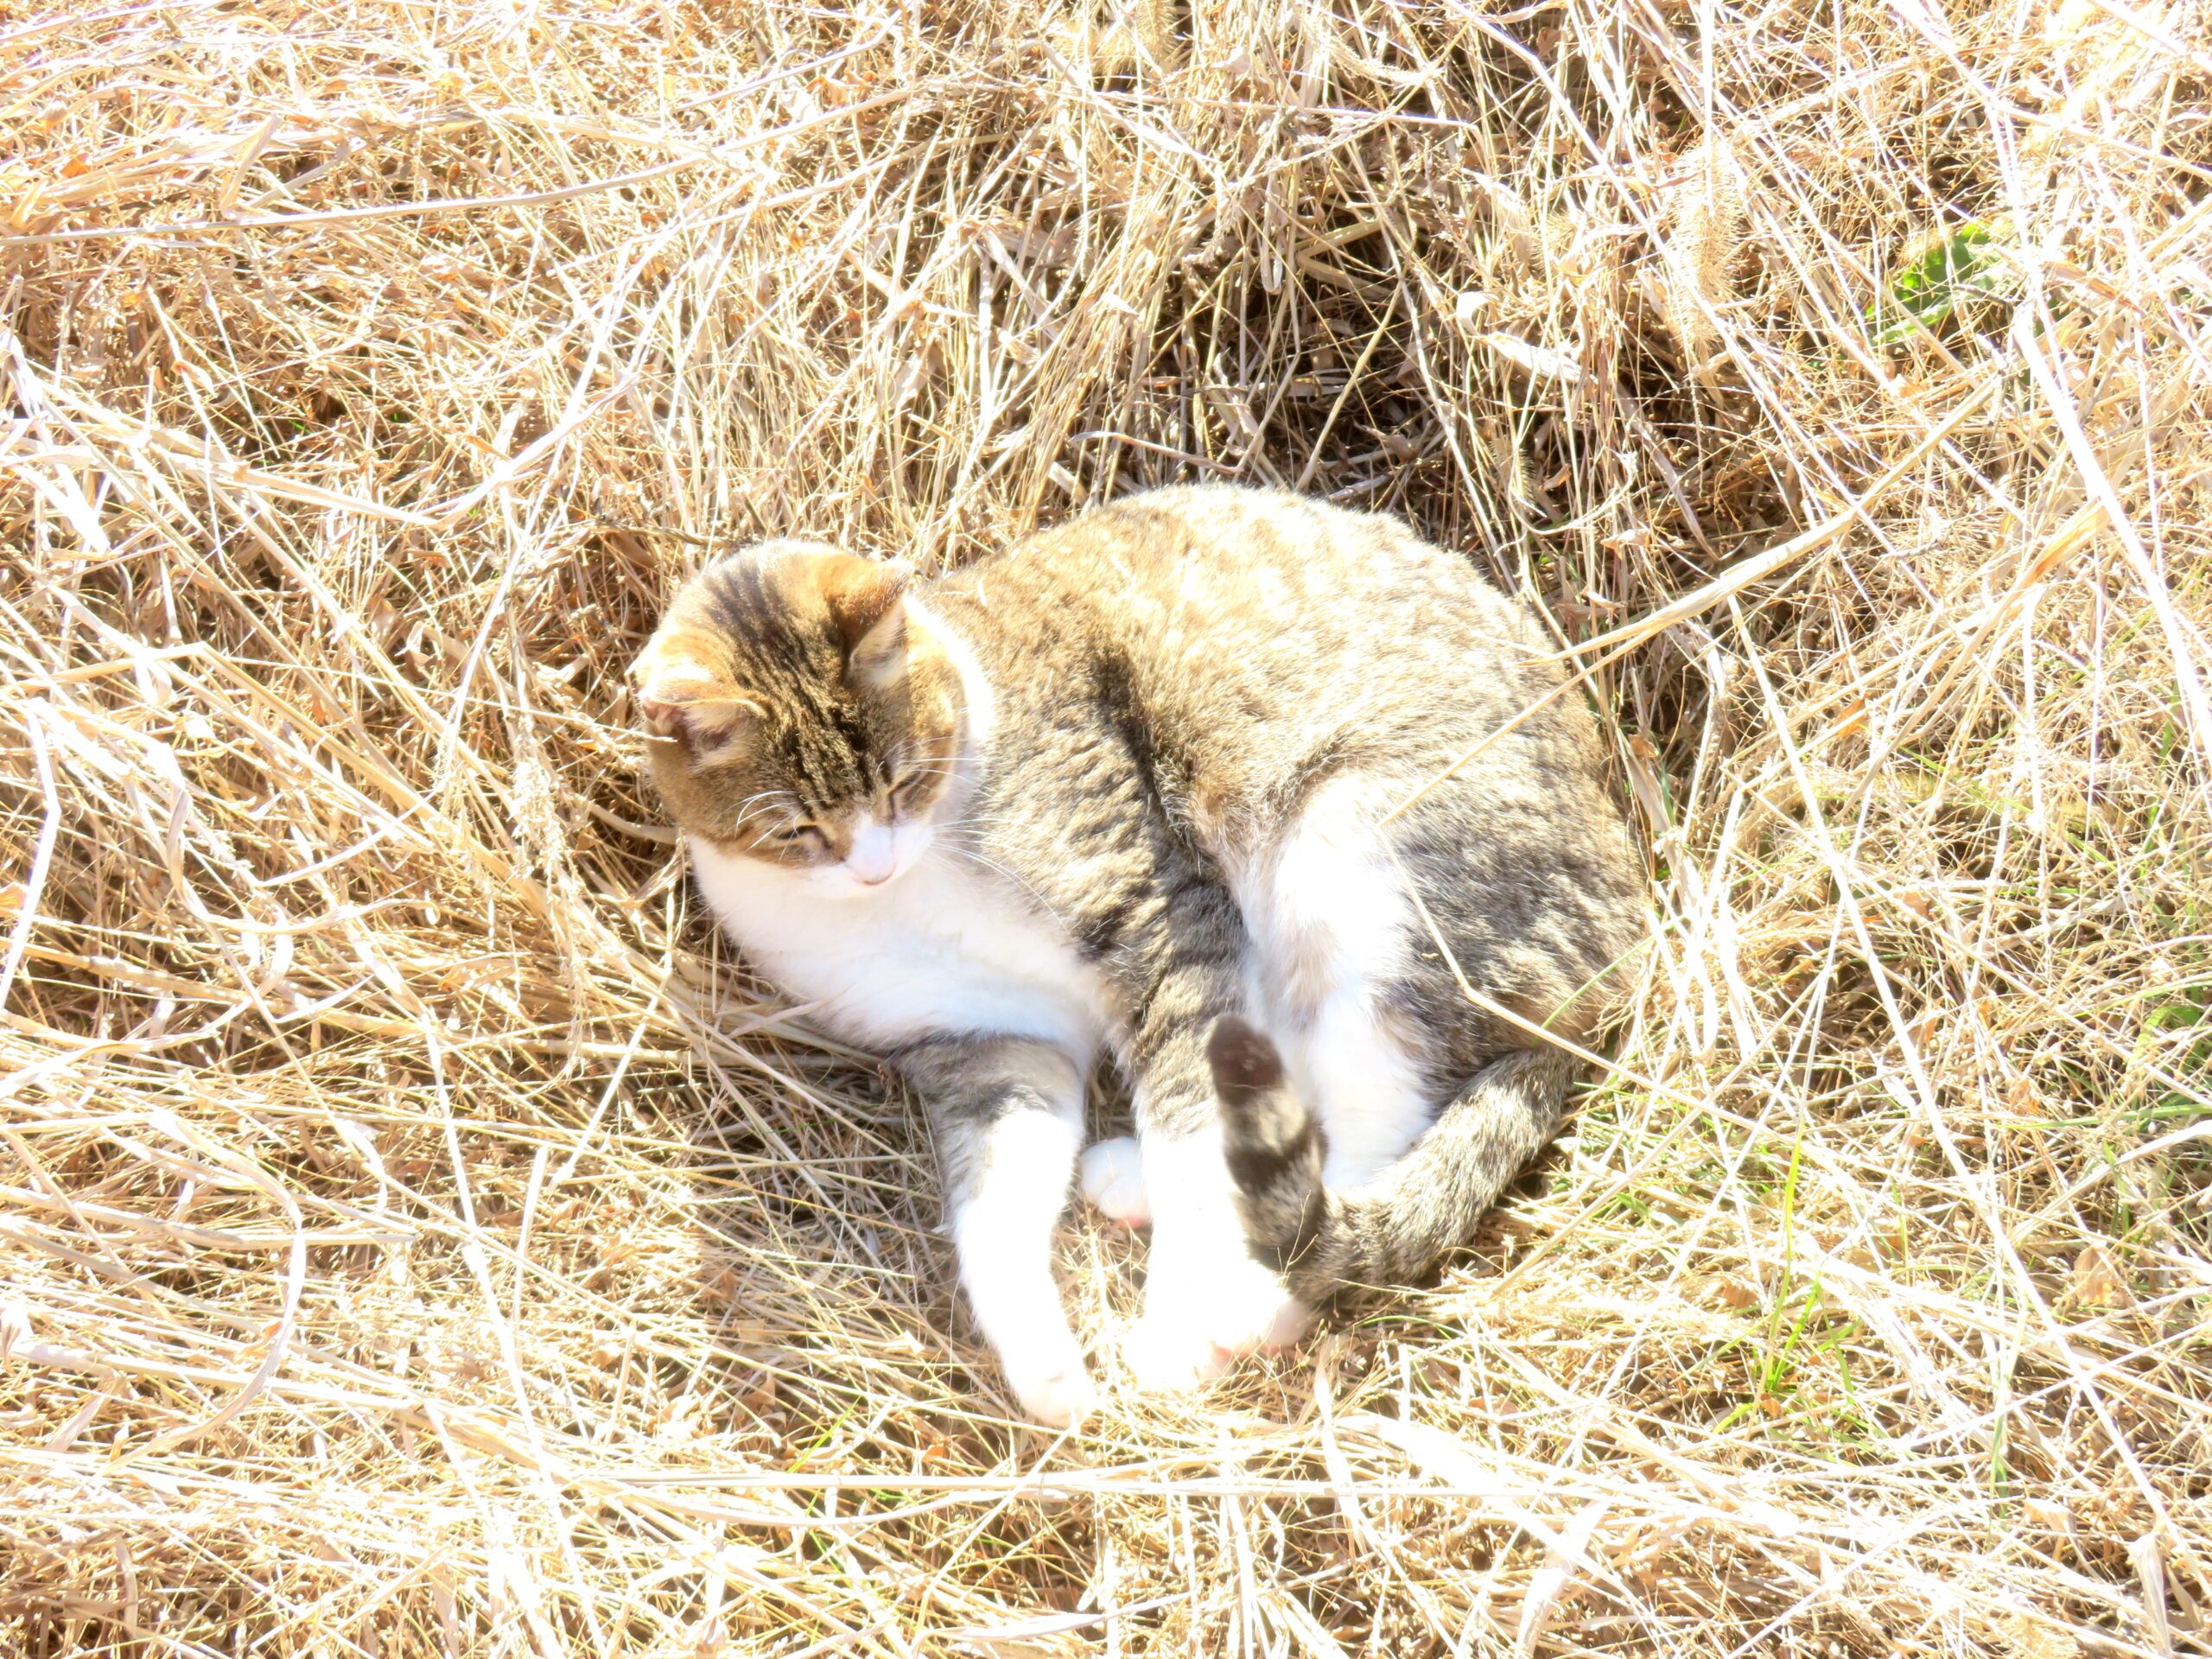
(1245, 1064)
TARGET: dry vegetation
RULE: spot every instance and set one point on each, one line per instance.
(420, 1239)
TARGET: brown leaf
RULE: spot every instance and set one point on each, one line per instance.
(2097, 1282)
(1728, 1290)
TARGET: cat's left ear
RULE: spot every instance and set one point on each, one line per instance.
(867, 600)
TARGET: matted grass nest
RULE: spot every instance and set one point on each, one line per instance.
(420, 1238)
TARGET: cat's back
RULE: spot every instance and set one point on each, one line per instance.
(1222, 602)
(1232, 552)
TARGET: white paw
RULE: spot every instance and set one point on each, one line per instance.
(1167, 1356)
(1054, 1387)
(1113, 1181)
(1199, 1320)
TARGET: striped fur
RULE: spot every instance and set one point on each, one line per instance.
(1392, 1230)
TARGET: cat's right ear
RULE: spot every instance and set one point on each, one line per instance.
(686, 697)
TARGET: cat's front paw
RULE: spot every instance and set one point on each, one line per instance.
(1054, 1387)
(1112, 1179)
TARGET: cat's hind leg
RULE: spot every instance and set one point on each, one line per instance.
(1334, 930)
(1009, 1117)
(1206, 1300)
(1328, 922)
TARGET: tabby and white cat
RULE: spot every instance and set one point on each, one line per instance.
(1236, 785)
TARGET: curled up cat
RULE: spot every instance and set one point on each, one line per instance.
(1247, 790)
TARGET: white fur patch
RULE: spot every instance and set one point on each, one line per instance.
(1332, 926)
(943, 947)
(1111, 1175)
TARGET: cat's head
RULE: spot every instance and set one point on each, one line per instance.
(805, 711)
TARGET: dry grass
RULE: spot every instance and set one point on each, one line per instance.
(420, 1239)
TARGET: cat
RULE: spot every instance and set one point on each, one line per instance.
(1243, 788)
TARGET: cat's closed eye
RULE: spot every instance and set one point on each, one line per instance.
(906, 790)
(800, 835)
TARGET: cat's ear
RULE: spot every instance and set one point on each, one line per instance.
(867, 600)
(863, 594)
(686, 694)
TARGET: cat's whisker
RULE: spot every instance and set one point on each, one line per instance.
(994, 866)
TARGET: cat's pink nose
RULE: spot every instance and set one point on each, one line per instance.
(872, 857)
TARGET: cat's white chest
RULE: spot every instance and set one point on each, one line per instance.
(941, 949)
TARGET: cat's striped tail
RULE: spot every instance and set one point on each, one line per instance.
(1391, 1231)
